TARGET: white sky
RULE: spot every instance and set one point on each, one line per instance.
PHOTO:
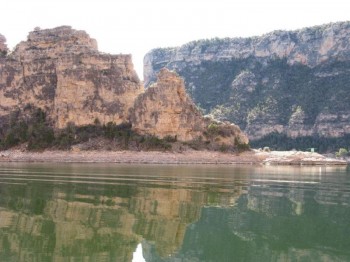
(136, 26)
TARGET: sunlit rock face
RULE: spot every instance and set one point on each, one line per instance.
(289, 82)
(61, 71)
(165, 109)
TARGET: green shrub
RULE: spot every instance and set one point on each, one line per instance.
(342, 152)
(224, 148)
(170, 139)
(112, 130)
(40, 136)
(154, 143)
(240, 145)
(197, 143)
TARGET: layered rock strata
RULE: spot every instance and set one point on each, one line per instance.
(165, 109)
(290, 82)
(62, 72)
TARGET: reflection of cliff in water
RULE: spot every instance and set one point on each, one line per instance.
(280, 220)
(177, 213)
(45, 221)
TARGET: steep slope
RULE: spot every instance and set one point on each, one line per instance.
(166, 110)
(61, 71)
(58, 85)
(293, 83)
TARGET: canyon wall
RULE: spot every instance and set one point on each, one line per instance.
(294, 83)
(61, 71)
(165, 109)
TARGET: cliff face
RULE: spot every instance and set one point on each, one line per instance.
(165, 109)
(294, 82)
(61, 71)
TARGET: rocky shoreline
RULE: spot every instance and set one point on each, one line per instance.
(187, 157)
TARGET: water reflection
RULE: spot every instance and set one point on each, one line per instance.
(138, 256)
(173, 213)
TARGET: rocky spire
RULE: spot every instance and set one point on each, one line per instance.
(165, 109)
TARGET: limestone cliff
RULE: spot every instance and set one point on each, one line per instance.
(61, 71)
(294, 83)
(165, 109)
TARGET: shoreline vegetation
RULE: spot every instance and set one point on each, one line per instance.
(33, 140)
(29, 129)
(251, 157)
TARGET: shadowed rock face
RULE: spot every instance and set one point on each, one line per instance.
(291, 82)
(3, 46)
(61, 71)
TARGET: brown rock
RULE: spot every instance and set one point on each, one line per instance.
(61, 71)
(166, 110)
(53, 43)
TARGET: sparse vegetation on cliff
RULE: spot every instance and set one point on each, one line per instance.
(295, 83)
(32, 128)
(27, 127)
(94, 100)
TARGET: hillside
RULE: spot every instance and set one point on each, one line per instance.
(285, 89)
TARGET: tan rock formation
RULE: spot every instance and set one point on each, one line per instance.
(166, 110)
(61, 71)
(53, 43)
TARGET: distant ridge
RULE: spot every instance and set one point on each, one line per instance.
(285, 85)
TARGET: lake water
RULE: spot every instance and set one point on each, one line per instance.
(108, 212)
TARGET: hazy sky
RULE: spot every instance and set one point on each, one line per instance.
(136, 26)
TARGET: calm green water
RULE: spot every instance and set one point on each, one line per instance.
(93, 212)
